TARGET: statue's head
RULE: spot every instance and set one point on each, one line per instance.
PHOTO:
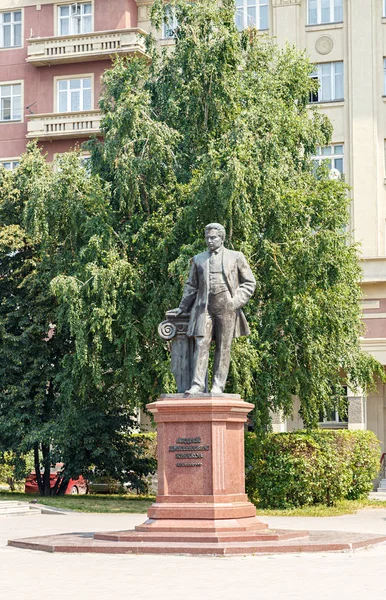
(214, 235)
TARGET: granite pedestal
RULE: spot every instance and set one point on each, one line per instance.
(201, 489)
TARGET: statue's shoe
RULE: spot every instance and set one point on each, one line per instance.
(195, 389)
(216, 390)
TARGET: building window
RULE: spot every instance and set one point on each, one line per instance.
(325, 11)
(10, 102)
(75, 18)
(384, 75)
(332, 155)
(333, 420)
(10, 29)
(251, 13)
(330, 77)
(74, 94)
(170, 23)
(9, 164)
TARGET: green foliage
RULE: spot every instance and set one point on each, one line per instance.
(311, 467)
(252, 447)
(14, 468)
(363, 452)
(144, 461)
(61, 388)
(134, 459)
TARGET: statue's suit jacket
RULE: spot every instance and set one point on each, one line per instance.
(241, 284)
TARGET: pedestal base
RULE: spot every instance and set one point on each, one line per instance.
(266, 542)
(201, 470)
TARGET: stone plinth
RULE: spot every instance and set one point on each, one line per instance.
(201, 487)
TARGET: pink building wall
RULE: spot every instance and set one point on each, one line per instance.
(39, 81)
(375, 326)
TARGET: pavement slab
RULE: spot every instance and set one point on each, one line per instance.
(297, 576)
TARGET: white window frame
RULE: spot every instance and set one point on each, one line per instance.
(12, 24)
(83, 158)
(336, 422)
(170, 23)
(384, 74)
(321, 156)
(384, 9)
(384, 154)
(13, 162)
(59, 18)
(71, 78)
(12, 84)
(319, 12)
(242, 11)
(317, 74)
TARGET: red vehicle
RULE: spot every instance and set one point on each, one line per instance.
(74, 486)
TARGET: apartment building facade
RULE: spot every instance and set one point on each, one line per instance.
(52, 56)
(53, 53)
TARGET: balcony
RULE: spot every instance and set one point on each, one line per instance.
(99, 45)
(64, 125)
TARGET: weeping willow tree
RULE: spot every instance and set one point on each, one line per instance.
(221, 130)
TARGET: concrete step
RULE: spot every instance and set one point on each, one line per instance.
(313, 541)
(17, 509)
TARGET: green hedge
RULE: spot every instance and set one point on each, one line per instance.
(310, 467)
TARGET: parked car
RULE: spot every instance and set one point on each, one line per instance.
(102, 484)
(74, 486)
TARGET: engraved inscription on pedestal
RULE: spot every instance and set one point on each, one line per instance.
(188, 449)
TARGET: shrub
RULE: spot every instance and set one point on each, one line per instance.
(363, 447)
(139, 458)
(14, 468)
(144, 459)
(310, 467)
(252, 464)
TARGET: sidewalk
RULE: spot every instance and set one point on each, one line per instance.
(31, 574)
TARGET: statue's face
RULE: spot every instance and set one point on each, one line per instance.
(213, 239)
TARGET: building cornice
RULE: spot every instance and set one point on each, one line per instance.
(374, 269)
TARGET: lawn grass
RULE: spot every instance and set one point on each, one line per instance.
(93, 503)
(125, 503)
(343, 507)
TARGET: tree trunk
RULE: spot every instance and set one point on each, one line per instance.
(11, 483)
(47, 470)
(63, 486)
(37, 468)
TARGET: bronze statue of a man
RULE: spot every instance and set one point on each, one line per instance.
(220, 283)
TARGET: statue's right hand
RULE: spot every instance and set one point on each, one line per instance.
(175, 311)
